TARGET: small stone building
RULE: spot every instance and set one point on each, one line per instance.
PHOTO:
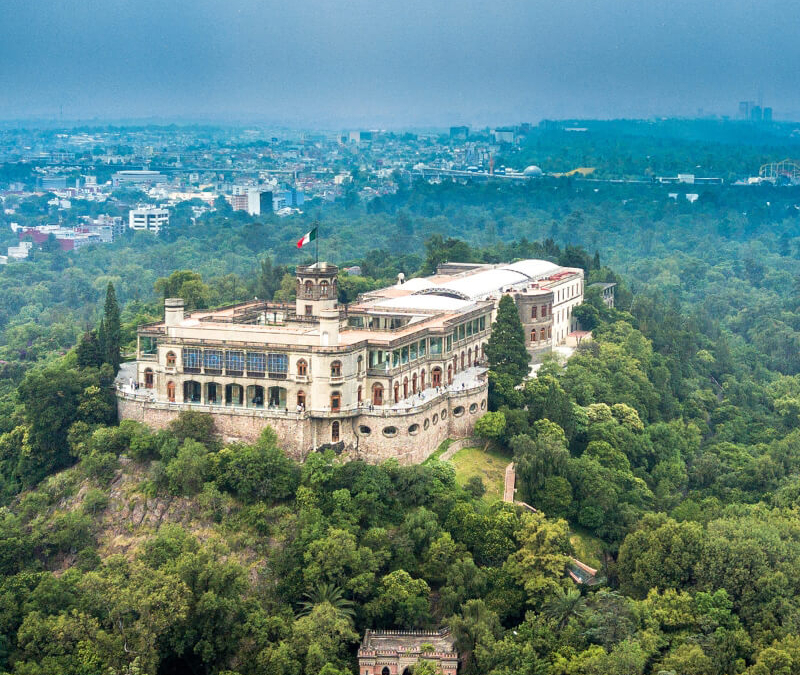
(395, 652)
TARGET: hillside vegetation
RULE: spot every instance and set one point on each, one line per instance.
(666, 450)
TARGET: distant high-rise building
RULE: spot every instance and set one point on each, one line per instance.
(755, 113)
(238, 202)
(53, 182)
(459, 133)
(259, 201)
(744, 109)
(294, 197)
(504, 135)
(768, 114)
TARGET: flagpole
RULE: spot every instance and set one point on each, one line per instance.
(316, 240)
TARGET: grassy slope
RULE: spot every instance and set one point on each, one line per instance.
(489, 465)
(588, 549)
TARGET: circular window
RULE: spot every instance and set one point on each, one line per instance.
(364, 430)
(458, 411)
(435, 418)
(413, 430)
(483, 404)
(444, 414)
(426, 423)
(389, 431)
(473, 408)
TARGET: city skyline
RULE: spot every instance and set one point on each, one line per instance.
(409, 64)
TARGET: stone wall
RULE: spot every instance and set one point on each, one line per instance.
(373, 436)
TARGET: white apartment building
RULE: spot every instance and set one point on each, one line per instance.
(148, 218)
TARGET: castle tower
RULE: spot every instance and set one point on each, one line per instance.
(317, 288)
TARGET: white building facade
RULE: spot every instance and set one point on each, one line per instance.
(149, 219)
(389, 376)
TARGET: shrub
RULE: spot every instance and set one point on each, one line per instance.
(475, 487)
(258, 472)
(194, 425)
(94, 501)
(100, 465)
(189, 470)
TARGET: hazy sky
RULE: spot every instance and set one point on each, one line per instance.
(396, 63)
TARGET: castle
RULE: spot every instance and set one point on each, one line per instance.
(391, 375)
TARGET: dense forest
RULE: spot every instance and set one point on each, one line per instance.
(669, 446)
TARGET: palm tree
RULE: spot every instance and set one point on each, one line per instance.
(327, 593)
(564, 605)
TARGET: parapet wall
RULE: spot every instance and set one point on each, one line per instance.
(409, 436)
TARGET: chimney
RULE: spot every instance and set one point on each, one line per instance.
(329, 327)
(173, 311)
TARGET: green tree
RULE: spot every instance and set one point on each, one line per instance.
(89, 351)
(537, 458)
(491, 426)
(257, 472)
(506, 346)
(50, 400)
(564, 604)
(402, 601)
(189, 469)
(327, 593)
(268, 281)
(475, 624)
(195, 425)
(111, 323)
(541, 560)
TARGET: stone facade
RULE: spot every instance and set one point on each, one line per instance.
(409, 436)
(396, 652)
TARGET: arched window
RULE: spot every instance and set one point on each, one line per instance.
(533, 335)
(336, 401)
(323, 289)
(336, 369)
(462, 360)
(301, 399)
(335, 432)
(483, 350)
(148, 378)
(255, 396)
(192, 391)
(396, 392)
(234, 394)
(377, 394)
(358, 395)
(405, 387)
(414, 384)
(309, 289)
(450, 374)
(469, 356)
(385, 671)
(213, 393)
(302, 368)
(171, 391)
(455, 364)
(359, 364)
(422, 381)
(170, 359)
(436, 377)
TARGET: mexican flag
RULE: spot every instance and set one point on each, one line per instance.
(308, 237)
